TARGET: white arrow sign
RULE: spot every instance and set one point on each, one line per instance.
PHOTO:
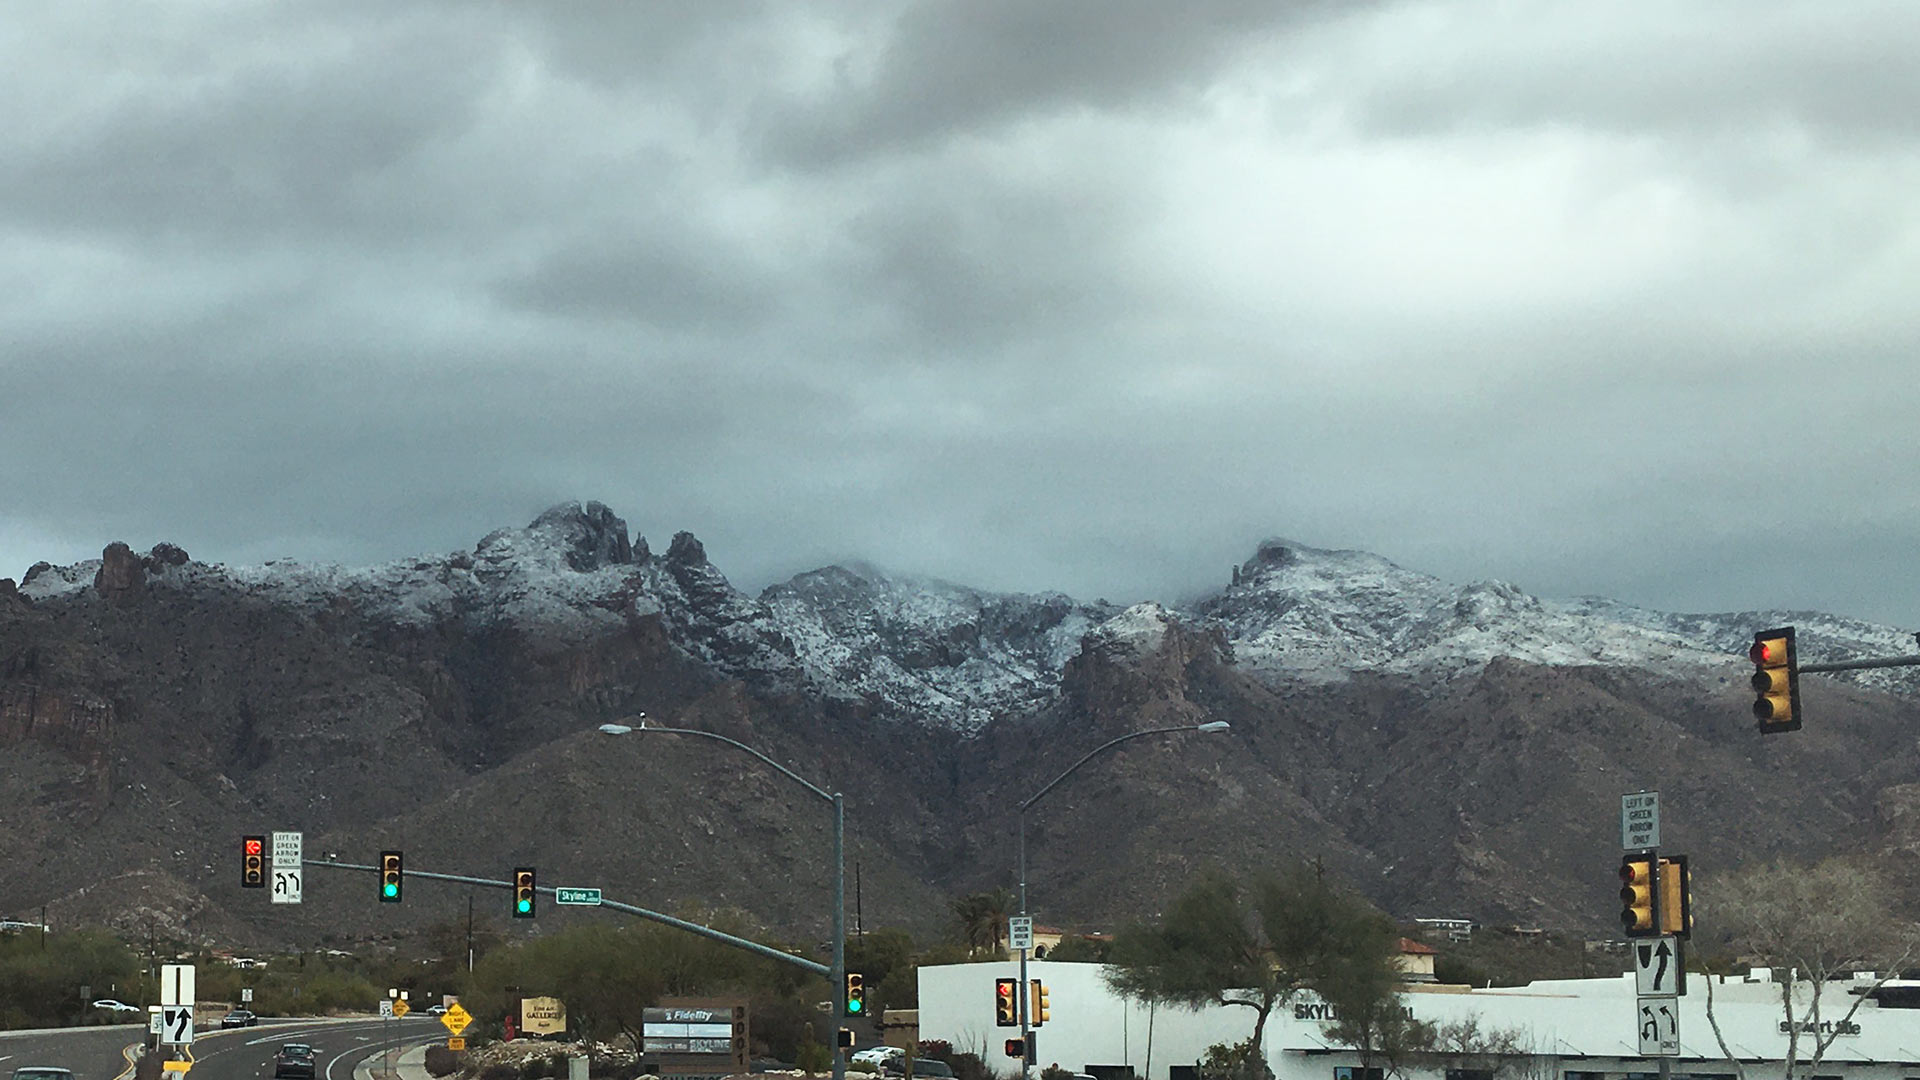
(1659, 967)
(1659, 1027)
(176, 1023)
(286, 885)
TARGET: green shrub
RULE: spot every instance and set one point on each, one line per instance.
(442, 1061)
(811, 1056)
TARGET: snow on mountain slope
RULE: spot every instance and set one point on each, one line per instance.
(1295, 611)
(931, 652)
(928, 647)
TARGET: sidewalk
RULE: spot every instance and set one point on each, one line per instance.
(401, 1063)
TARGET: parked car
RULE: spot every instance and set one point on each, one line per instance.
(239, 1018)
(437, 1010)
(921, 1067)
(116, 1006)
(294, 1059)
(879, 1055)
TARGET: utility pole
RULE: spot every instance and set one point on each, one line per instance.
(469, 933)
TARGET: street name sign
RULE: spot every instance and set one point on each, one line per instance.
(456, 1018)
(583, 897)
(1020, 932)
(1659, 967)
(1659, 1027)
(1640, 820)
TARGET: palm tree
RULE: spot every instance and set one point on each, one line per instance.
(982, 918)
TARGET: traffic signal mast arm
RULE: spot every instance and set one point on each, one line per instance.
(679, 924)
(1857, 665)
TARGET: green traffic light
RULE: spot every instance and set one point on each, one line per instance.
(392, 889)
(854, 1006)
(526, 905)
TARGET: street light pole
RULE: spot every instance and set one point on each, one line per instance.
(839, 972)
(1026, 988)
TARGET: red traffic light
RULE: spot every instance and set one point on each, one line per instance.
(253, 846)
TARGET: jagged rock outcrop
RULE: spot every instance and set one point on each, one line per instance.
(121, 575)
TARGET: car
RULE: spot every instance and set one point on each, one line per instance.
(924, 1066)
(42, 1072)
(116, 1006)
(879, 1055)
(294, 1059)
(239, 1018)
(437, 1010)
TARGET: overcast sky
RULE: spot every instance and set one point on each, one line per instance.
(1619, 299)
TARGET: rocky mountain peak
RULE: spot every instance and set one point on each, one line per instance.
(686, 550)
(589, 536)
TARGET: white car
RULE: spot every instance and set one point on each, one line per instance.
(879, 1055)
(116, 1006)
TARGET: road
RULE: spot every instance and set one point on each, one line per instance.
(239, 1054)
(93, 1053)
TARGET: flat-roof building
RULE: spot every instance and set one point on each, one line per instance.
(1574, 1029)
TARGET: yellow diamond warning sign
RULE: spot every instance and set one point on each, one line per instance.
(456, 1018)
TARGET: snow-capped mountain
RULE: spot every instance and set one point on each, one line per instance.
(946, 655)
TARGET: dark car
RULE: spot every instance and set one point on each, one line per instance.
(239, 1018)
(927, 1067)
(294, 1059)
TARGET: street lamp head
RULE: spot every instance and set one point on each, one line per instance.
(1212, 726)
(615, 729)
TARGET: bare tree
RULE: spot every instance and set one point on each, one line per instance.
(1813, 924)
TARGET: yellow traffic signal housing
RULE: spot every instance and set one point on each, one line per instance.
(1040, 1011)
(856, 994)
(253, 862)
(1676, 905)
(1637, 898)
(1776, 681)
(390, 877)
(1006, 1002)
(523, 891)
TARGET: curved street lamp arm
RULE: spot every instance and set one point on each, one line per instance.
(796, 777)
(1096, 752)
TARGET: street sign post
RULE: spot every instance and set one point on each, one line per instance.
(287, 848)
(1659, 1027)
(582, 897)
(1020, 932)
(1640, 820)
(1659, 967)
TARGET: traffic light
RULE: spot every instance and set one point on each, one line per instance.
(1015, 1048)
(1636, 896)
(1776, 681)
(1676, 906)
(846, 1038)
(389, 877)
(523, 893)
(1038, 1014)
(1006, 1003)
(856, 994)
(253, 862)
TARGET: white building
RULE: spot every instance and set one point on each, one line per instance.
(1576, 1029)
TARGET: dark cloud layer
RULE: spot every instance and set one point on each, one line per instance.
(1087, 297)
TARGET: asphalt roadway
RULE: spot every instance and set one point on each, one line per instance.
(105, 1053)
